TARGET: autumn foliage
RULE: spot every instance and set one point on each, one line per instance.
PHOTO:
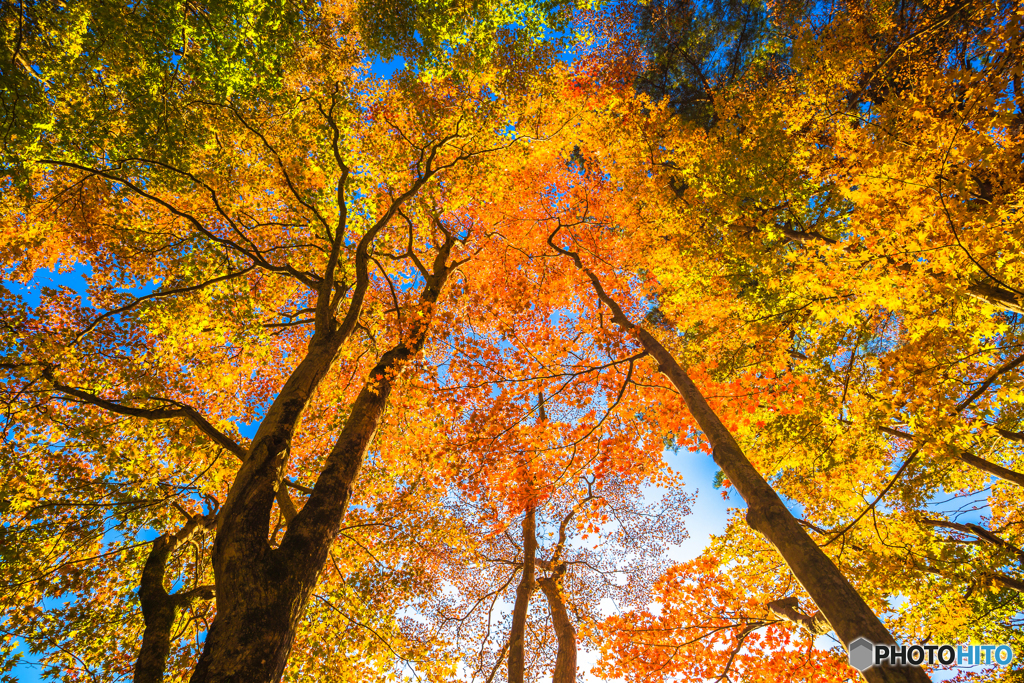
(350, 376)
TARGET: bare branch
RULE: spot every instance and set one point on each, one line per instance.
(1003, 369)
(786, 608)
(156, 295)
(181, 410)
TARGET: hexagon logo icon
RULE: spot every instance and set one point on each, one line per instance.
(861, 654)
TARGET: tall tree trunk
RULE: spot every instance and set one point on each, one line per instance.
(842, 605)
(527, 584)
(565, 659)
(258, 602)
(846, 611)
(262, 592)
(159, 608)
(158, 612)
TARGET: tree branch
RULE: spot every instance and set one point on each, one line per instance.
(786, 608)
(1003, 369)
(159, 608)
(980, 532)
(218, 437)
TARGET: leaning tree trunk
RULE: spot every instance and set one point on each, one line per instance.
(845, 609)
(838, 600)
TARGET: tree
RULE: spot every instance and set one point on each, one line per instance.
(88, 81)
(884, 334)
(531, 474)
(796, 260)
(83, 78)
(842, 606)
(360, 176)
(800, 258)
(717, 625)
(589, 545)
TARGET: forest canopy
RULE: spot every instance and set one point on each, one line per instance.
(358, 341)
